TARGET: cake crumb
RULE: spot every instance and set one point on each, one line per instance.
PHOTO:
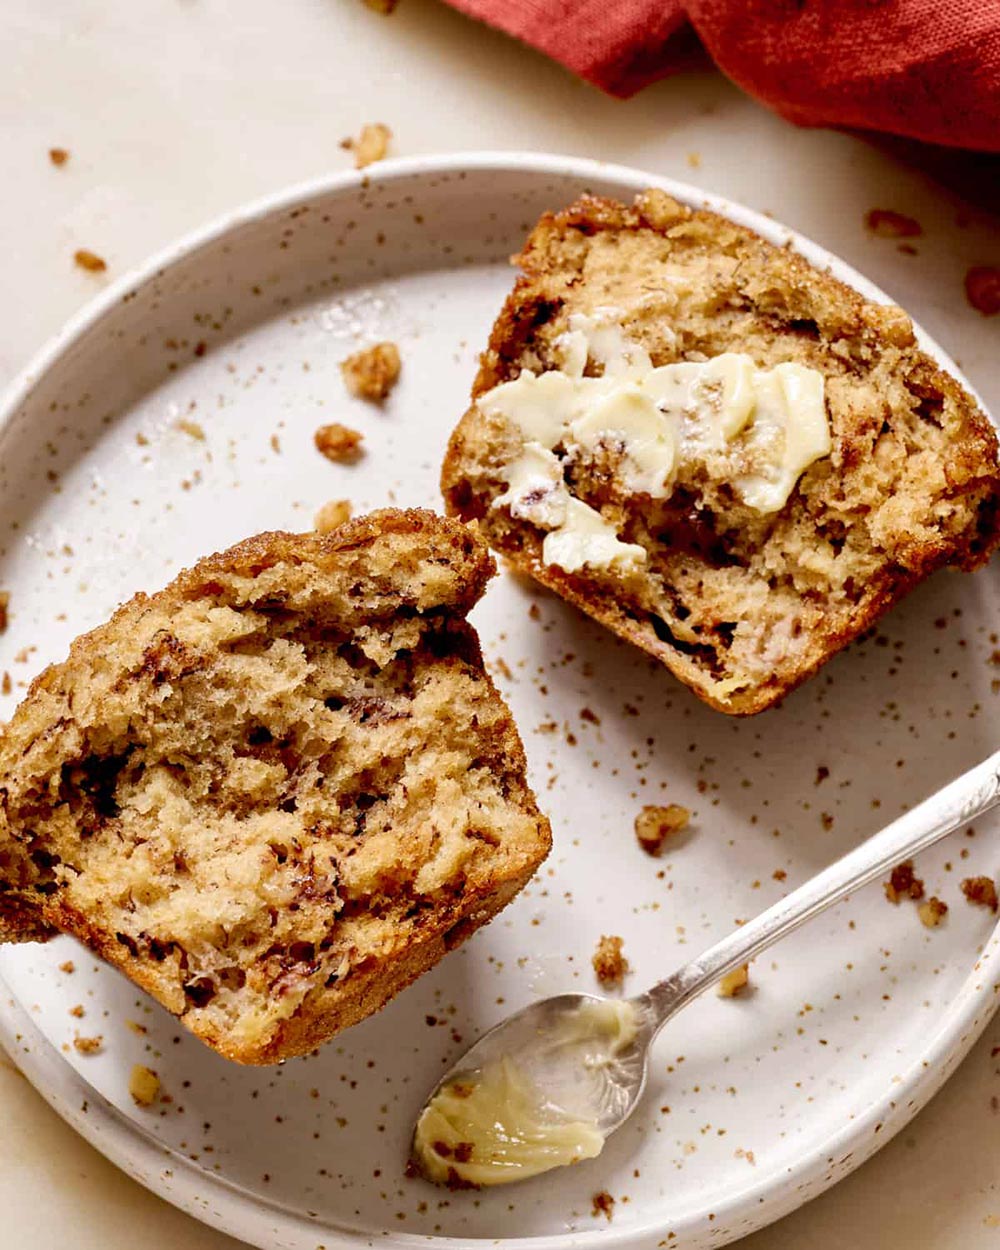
(88, 1045)
(735, 982)
(68, 967)
(6, 685)
(89, 261)
(143, 1085)
(903, 884)
(58, 156)
(333, 514)
(980, 891)
(371, 374)
(371, 144)
(385, 7)
(891, 225)
(982, 289)
(694, 160)
(654, 825)
(932, 912)
(609, 962)
(192, 429)
(603, 1204)
(337, 442)
(4, 606)
(77, 1011)
(136, 1027)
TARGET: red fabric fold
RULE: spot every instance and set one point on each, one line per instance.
(926, 69)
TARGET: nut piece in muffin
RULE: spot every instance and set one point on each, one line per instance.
(276, 792)
(723, 454)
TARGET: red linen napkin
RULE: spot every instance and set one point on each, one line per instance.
(927, 69)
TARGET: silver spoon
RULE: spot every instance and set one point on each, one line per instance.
(558, 1062)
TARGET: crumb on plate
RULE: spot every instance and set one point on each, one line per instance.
(735, 982)
(903, 884)
(4, 606)
(603, 1204)
(892, 225)
(372, 373)
(89, 261)
(981, 891)
(982, 289)
(371, 144)
(58, 156)
(331, 515)
(654, 825)
(88, 1045)
(609, 962)
(68, 966)
(338, 442)
(143, 1085)
(932, 912)
(192, 429)
(77, 1012)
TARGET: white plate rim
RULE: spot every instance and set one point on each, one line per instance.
(233, 1209)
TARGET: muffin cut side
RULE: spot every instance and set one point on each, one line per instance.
(741, 605)
(277, 791)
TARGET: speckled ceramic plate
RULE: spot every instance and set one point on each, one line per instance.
(755, 1104)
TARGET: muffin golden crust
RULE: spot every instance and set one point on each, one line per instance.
(278, 790)
(741, 604)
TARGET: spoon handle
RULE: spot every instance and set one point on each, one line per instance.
(965, 798)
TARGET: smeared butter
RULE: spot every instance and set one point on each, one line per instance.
(494, 1124)
(491, 1128)
(586, 540)
(758, 429)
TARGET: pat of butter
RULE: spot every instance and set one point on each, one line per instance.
(711, 400)
(628, 421)
(758, 429)
(492, 1128)
(535, 488)
(586, 540)
(789, 432)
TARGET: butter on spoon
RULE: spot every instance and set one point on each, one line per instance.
(546, 1087)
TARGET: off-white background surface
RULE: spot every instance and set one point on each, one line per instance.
(176, 110)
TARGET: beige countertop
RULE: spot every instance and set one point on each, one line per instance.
(177, 110)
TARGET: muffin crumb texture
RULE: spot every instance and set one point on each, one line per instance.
(277, 791)
(740, 604)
